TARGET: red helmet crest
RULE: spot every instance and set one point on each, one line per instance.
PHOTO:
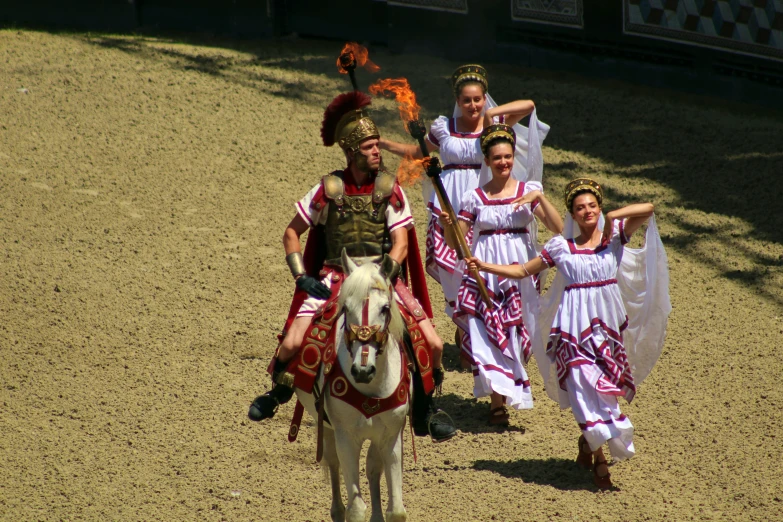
(341, 106)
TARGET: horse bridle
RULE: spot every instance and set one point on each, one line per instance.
(367, 333)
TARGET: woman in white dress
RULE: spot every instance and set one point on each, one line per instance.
(457, 141)
(586, 339)
(500, 215)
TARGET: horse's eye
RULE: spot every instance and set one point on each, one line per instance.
(385, 309)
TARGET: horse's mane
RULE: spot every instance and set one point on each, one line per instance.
(358, 285)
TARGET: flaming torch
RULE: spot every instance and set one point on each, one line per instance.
(351, 56)
(409, 112)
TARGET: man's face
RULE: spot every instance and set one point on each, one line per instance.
(368, 157)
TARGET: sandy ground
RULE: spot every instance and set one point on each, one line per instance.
(145, 184)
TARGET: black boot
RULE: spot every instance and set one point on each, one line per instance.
(428, 420)
(265, 406)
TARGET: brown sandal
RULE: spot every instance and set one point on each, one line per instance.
(585, 456)
(498, 416)
(603, 482)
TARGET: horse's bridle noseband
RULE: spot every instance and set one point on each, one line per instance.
(367, 333)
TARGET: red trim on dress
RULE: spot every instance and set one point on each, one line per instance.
(457, 134)
(498, 369)
(463, 166)
(505, 201)
(467, 216)
(522, 230)
(585, 251)
(590, 424)
(592, 284)
(546, 258)
(433, 139)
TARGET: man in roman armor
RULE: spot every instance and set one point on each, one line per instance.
(363, 210)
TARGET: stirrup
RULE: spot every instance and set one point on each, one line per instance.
(450, 424)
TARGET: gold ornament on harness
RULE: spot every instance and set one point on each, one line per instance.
(365, 334)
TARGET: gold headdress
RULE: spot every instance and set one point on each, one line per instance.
(579, 185)
(468, 73)
(495, 132)
(347, 123)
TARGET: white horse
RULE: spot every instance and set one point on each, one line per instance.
(368, 340)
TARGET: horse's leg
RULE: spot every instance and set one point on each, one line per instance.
(348, 452)
(337, 511)
(374, 471)
(392, 459)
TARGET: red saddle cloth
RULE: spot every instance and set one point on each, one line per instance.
(319, 350)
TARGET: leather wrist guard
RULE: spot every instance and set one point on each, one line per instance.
(390, 268)
(295, 263)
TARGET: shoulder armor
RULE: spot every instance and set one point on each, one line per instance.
(334, 188)
(384, 186)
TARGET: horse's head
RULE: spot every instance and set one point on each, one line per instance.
(371, 315)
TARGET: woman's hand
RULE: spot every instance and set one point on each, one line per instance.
(474, 263)
(530, 197)
(445, 219)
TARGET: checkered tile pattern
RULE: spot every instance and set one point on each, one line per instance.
(748, 26)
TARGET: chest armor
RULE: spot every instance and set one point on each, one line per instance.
(357, 223)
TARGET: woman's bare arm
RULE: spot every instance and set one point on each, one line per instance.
(532, 267)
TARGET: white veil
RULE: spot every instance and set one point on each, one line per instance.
(643, 278)
(528, 159)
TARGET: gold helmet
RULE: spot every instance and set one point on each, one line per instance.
(497, 131)
(580, 185)
(468, 73)
(347, 123)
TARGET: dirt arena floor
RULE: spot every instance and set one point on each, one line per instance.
(145, 184)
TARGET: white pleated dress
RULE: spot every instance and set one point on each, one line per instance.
(586, 340)
(461, 158)
(498, 341)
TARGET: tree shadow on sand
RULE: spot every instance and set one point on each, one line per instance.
(559, 473)
(697, 159)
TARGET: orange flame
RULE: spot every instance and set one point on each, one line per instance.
(411, 170)
(360, 54)
(406, 98)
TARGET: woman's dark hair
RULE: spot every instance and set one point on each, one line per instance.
(579, 193)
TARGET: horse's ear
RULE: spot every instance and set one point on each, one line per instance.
(348, 264)
(387, 266)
